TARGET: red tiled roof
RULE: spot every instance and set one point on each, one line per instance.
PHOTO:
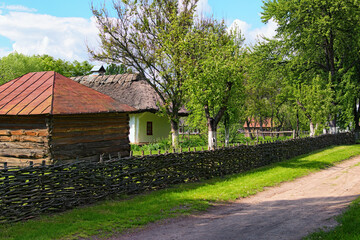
(52, 93)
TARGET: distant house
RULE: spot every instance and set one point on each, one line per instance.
(145, 125)
(255, 126)
(98, 70)
(45, 116)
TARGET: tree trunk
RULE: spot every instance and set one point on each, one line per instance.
(312, 129)
(297, 123)
(212, 138)
(227, 129)
(175, 133)
(261, 128)
(249, 129)
(332, 125)
(357, 115)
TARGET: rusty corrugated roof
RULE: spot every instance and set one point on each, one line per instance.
(52, 93)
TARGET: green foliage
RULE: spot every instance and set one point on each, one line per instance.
(215, 75)
(193, 141)
(16, 64)
(267, 91)
(113, 69)
(322, 43)
(113, 216)
(163, 144)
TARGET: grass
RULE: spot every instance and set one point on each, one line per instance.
(199, 142)
(348, 228)
(124, 213)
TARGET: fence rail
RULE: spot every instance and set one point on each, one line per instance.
(28, 192)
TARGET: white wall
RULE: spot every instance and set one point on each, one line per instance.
(138, 124)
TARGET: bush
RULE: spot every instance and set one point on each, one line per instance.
(193, 141)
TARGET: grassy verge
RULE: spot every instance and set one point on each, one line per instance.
(130, 212)
(348, 228)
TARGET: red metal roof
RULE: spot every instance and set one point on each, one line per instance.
(52, 93)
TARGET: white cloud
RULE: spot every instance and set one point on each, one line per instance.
(60, 37)
(253, 34)
(20, 8)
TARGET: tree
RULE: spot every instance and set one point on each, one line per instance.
(325, 33)
(148, 37)
(267, 92)
(116, 69)
(17, 64)
(214, 73)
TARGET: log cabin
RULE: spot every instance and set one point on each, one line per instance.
(45, 116)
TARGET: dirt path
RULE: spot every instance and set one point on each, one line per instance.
(289, 211)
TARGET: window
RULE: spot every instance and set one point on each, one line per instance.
(149, 128)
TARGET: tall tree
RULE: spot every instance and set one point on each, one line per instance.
(324, 32)
(267, 93)
(148, 36)
(215, 73)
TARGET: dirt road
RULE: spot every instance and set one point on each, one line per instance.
(289, 211)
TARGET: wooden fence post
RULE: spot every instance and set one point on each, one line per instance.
(294, 134)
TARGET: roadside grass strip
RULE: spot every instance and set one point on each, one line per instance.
(128, 212)
(348, 228)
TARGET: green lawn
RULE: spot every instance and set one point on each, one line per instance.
(112, 216)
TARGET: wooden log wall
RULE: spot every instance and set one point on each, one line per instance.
(23, 139)
(89, 135)
(28, 192)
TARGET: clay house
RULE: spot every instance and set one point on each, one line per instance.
(46, 116)
(145, 125)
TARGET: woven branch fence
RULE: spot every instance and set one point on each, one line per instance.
(31, 191)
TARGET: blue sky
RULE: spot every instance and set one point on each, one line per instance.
(63, 28)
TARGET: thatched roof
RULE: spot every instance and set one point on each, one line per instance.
(130, 89)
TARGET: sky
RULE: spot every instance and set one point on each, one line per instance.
(63, 28)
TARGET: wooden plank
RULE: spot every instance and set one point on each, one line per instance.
(98, 144)
(23, 139)
(90, 151)
(57, 135)
(25, 145)
(99, 126)
(15, 125)
(85, 139)
(23, 153)
(5, 132)
(22, 162)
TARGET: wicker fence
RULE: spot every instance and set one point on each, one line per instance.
(28, 192)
